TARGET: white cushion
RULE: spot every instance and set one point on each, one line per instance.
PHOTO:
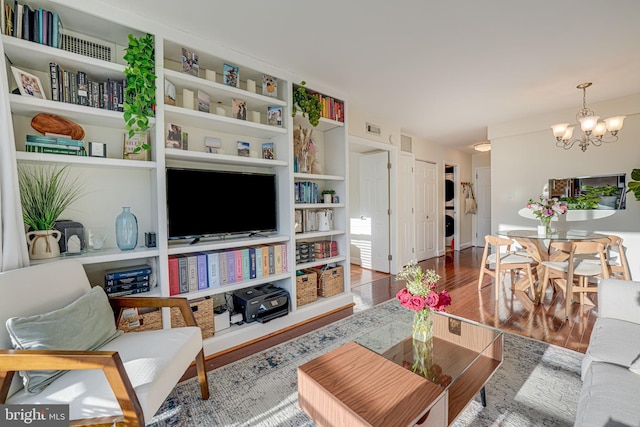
(614, 341)
(580, 267)
(609, 397)
(510, 258)
(154, 360)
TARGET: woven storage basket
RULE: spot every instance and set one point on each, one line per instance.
(203, 312)
(330, 281)
(135, 320)
(306, 288)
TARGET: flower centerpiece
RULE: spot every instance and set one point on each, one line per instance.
(545, 209)
(420, 295)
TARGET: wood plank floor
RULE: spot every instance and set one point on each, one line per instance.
(511, 312)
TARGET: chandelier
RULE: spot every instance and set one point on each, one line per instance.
(594, 132)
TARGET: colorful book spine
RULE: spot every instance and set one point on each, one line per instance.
(277, 259)
(54, 150)
(285, 259)
(224, 269)
(231, 266)
(272, 260)
(174, 276)
(130, 292)
(192, 266)
(184, 274)
(131, 286)
(237, 253)
(246, 264)
(265, 261)
(203, 276)
(213, 268)
(252, 264)
(258, 251)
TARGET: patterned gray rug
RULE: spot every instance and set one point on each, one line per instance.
(537, 385)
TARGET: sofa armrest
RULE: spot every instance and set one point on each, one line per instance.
(120, 303)
(109, 362)
(619, 299)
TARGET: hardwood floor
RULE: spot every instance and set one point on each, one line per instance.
(513, 311)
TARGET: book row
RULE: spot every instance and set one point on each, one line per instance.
(306, 192)
(77, 88)
(331, 108)
(212, 269)
(54, 145)
(34, 24)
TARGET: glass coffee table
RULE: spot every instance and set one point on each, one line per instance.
(385, 378)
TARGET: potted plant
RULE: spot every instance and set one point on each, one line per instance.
(634, 186)
(308, 104)
(45, 192)
(608, 194)
(140, 93)
(327, 195)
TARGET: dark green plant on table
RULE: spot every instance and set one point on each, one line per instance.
(308, 104)
(634, 186)
(140, 93)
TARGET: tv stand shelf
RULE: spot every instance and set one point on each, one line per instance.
(213, 244)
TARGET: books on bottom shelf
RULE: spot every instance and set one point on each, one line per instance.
(212, 269)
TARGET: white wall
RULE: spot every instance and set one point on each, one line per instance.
(524, 157)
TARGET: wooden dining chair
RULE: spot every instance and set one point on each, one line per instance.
(575, 273)
(617, 258)
(504, 261)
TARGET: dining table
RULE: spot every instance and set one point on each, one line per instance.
(539, 247)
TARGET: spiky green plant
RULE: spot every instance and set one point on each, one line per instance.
(45, 192)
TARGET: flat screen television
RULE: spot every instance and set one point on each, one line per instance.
(209, 203)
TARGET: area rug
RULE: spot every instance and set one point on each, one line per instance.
(537, 384)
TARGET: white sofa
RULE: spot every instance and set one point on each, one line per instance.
(126, 379)
(611, 389)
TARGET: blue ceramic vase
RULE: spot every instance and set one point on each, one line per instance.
(126, 230)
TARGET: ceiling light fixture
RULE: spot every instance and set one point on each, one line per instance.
(594, 131)
(482, 147)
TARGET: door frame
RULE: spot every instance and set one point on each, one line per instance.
(361, 145)
(456, 203)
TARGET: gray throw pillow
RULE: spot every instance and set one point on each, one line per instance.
(85, 324)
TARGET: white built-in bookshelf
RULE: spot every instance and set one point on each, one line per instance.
(114, 182)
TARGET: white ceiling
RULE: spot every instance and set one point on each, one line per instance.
(442, 70)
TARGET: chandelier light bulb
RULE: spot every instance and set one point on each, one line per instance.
(559, 129)
(588, 123)
(614, 124)
(600, 129)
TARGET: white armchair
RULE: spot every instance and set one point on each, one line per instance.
(125, 380)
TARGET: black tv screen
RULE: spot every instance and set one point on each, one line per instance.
(206, 203)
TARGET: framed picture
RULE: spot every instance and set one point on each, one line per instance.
(130, 145)
(174, 136)
(212, 144)
(169, 93)
(239, 109)
(244, 149)
(269, 86)
(189, 62)
(28, 84)
(274, 116)
(231, 76)
(268, 151)
(204, 103)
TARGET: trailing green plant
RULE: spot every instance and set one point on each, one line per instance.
(308, 104)
(140, 93)
(583, 201)
(45, 192)
(634, 186)
(603, 190)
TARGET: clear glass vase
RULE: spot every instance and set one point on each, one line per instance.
(126, 230)
(546, 222)
(422, 326)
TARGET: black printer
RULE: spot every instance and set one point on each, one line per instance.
(261, 303)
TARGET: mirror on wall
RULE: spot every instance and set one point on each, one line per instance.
(591, 192)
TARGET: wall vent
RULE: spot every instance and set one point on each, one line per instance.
(406, 144)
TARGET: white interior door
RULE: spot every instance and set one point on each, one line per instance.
(426, 179)
(406, 214)
(483, 197)
(374, 207)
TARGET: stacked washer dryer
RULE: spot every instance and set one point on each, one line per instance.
(449, 206)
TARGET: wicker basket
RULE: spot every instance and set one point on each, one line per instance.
(138, 320)
(203, 312)
(330, 281)
(306, 288)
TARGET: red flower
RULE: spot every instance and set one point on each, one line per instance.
(432, 299)
(404, 296)
(444, 300)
